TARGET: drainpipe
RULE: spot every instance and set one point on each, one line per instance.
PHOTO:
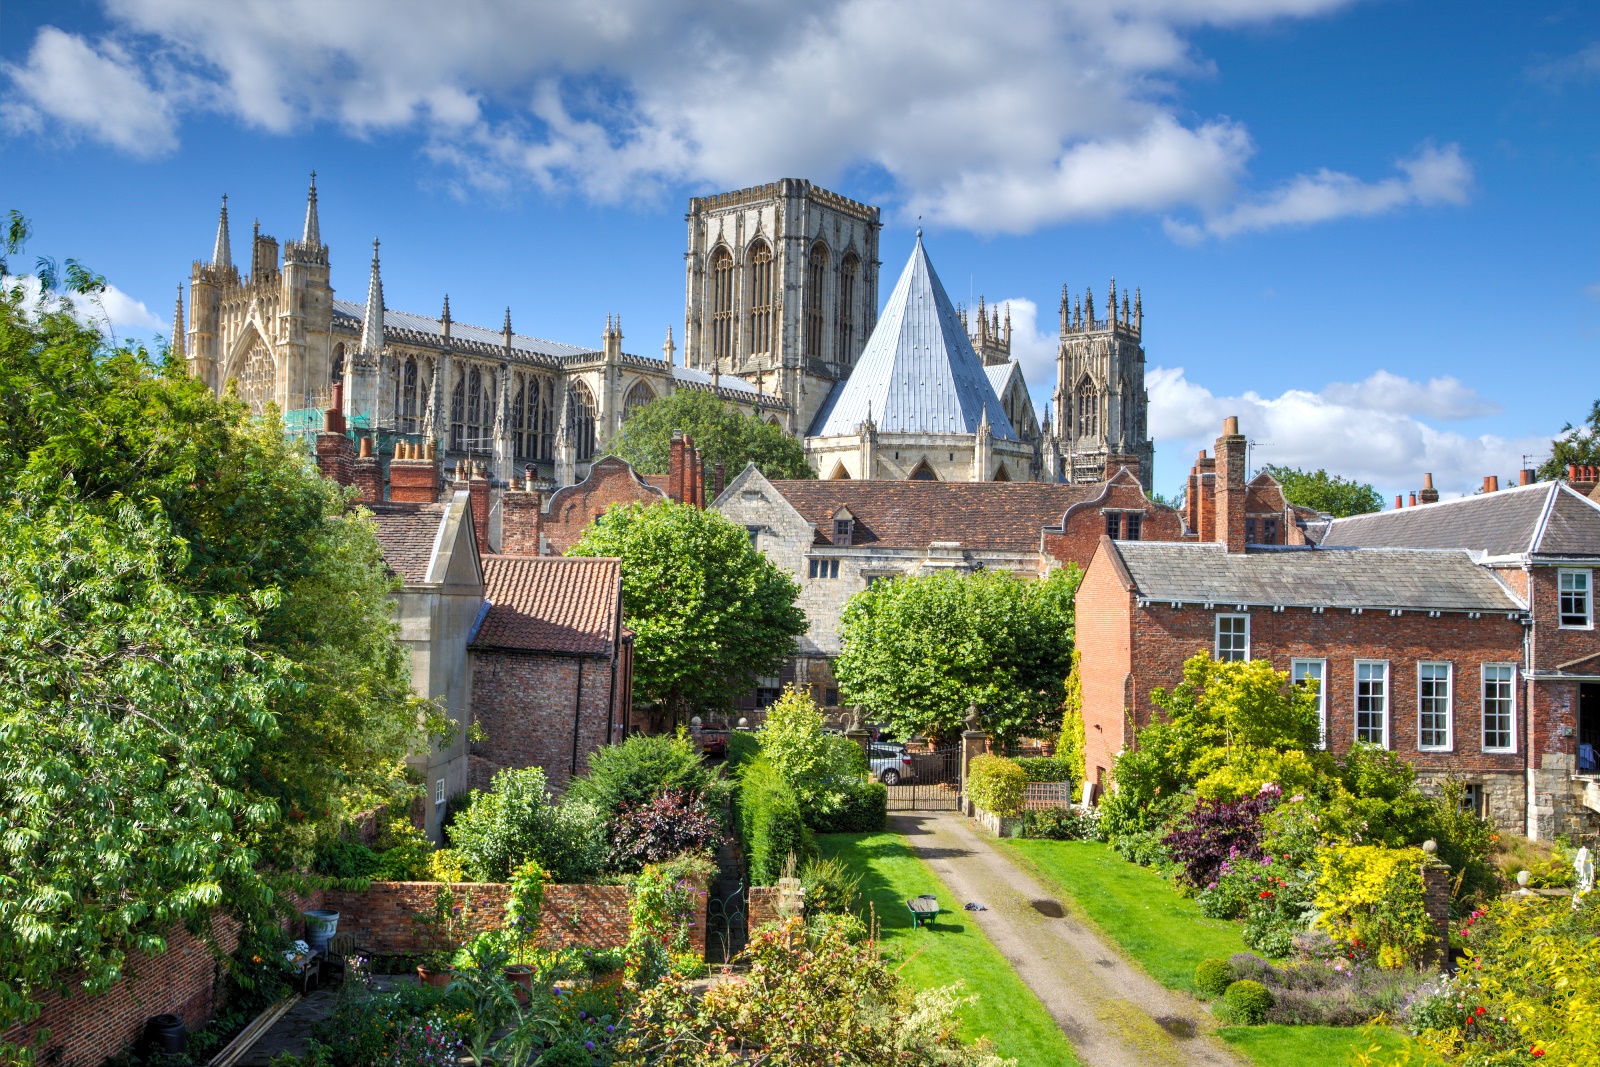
(1530, 820)
(577, 713)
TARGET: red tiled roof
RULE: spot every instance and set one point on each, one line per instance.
(1001, 516)
(406, 533)
(551, 604)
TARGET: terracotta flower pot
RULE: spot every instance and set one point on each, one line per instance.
(428, 976)
(521, 977)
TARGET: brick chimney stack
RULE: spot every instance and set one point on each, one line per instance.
(414, 473)
(522, 519)
(686, 476)
(1583, 478)
(1200, 504)
(367, 474)
(335, 453)
(478, 491)
(1230, 490)
(1429, 494)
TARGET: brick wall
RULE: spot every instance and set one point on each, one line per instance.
(526, 703)
(1084, 523)
(1436, 900)
(520, 522)
(610, 483)
(414, 481)
(384, 917)
(1103, 638)
(763, 905)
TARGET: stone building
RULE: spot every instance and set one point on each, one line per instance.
(1101, 407)
(1416, 640)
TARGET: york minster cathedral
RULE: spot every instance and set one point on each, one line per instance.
(781, 320)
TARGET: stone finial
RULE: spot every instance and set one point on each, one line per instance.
(222, 252)
(1430, 846)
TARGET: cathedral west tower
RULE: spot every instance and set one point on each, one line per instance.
(1102, 409)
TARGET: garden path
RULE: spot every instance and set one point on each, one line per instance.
(1113, 1013)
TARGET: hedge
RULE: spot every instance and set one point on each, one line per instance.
(996, 784)
(1045, 768)
(767, 814)
(743, 746)
(864, 811)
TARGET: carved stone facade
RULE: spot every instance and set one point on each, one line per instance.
(1101, 407)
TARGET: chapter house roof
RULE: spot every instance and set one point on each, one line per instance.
(998, 516)
(1369, 578)
(558, 604)
(918, 372)
(1542, 519)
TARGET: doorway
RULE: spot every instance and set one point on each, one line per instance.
(1589, 728)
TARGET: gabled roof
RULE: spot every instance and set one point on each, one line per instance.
(566, 605)
(1542, 519)
(999, 375)
(998, 516)
(407, 533)
(1375, 578)
(918, 372)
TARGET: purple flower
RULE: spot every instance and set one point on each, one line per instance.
(609, 1028)
(589, 1045)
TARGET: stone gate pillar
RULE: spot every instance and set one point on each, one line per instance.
(974, 742)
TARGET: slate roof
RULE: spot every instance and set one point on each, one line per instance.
(999, 375)
(1545, 518)
(407, 533)
(998, 516)
(918, 372)
(550, 604)
(405, 320)
(1379, 578)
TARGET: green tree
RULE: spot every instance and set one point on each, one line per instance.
(918, 651)
(1071, 745)
(1577, 444)
(823, 769)
(709, 611)
(1327, 493)
(721, 432)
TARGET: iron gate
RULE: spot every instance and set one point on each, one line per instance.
(934, 783)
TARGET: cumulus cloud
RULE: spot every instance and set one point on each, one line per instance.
(1432, 176)
(112, 310)
(1348, 429)
(1023, 114)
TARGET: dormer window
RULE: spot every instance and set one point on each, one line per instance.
(844, 527)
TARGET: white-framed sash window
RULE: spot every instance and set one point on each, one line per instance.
(1435, 721)
(1372, 702)
(1499, 707)
(1314, 672)
(1233, 638)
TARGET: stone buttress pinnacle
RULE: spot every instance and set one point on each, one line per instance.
(222, 252)
(178, 326)
(372, 322)
(312, 238)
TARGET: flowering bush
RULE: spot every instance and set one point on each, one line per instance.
(1372, 896)
(997, 785)
(666, 903)
(1215, 832)
(667, 825)
(1063, 824)
(1333, 992)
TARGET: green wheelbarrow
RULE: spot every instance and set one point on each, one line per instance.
(924, 909)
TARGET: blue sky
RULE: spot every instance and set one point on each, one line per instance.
(1370, 229)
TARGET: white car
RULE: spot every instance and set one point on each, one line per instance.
(890, 764)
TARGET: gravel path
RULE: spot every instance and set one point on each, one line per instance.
(1114, 1014)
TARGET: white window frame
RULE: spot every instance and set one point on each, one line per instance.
(1588, 598)
(1388, 699)
(438, 791)
(1321, 679)
(1216, 636)
(1483, 698)
(1449, 706)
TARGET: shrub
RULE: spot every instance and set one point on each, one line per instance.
(1144, 848)
(829, 885)
(1212, 977)
(643, 766)
(1216, 831)
(997, 785)
(743, 746)
(1070, 745)
(769, 821)
(1045, 768)
(865, 809)
(516, 821)
(1371, 896)
(446, 865)
(1247, 1001)
(346, 859)
(665, 826)
(1063, 824)
(824, 770)
(1333, 992)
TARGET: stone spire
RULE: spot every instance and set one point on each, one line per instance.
(505, 332)
(444, 320)
(372, 322)
(177, 326)
(222, 254)
(668, 348)
(313, 233)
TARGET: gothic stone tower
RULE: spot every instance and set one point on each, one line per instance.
(782, 289)
(1102, 408)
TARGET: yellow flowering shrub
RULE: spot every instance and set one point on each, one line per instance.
(997, 784)
(1370, 897)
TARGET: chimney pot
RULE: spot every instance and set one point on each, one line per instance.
(1399, 502)
(1427, 481)
(1413, 501)
(1525, 477)
(366, 448)
(1230, 426)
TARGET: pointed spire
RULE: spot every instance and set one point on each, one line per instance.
(1008, 325)
(372, 322)
(312, 238)
(505, 331)
(177, 326)
(1111, 303)
(222, 254)
(1127, 312)
(444, 320)
(668, 348)
(1088, 308)
(1138, 310)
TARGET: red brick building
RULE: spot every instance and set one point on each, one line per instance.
(1428, 649)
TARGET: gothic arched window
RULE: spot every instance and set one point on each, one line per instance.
(258, 378)
(543, 401)
(760, 298)
(923, 473)
(847, 306)
(479, 412)
(405, 397)
(336, 370)
(722, 304)
(1088, 409)
(521, 439)
(582, 428)
(458, 415)
(640, 395)
(816, 277)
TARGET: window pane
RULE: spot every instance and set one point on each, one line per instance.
(1113, 525)
(1233, 638)
(1131, 526)
(1309, 672)
(1372, 702)
(1433, 705)
(1574, 598)
(1498, 706)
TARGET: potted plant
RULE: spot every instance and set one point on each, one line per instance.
(521, 929)
(444, 927)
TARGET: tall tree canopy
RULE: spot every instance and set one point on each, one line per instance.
(709, 611)
(918, 651)
(721, 433)
(1577, 444)
(1328, 493)
(200, 668)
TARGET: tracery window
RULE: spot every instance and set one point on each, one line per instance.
(640, 395)
(522, 441)
(816, 276)
(722, 304)
(760, 298)
(544, 399)
(1088, 409)
(480, 412)
(405, 397)
(848, 270)
(258, 378)
(336, 370)
(582, 428)
(458, 409)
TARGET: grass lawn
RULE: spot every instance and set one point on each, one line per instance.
(1307, 1046)
(951, 950)
(1135, 906)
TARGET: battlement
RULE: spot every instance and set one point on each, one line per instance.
(785, 187)
(1078, 314)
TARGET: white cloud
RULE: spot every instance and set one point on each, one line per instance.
(1346, 429)
(1432, 176)
(1018, 115)
(113, 308)
(98, 91)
